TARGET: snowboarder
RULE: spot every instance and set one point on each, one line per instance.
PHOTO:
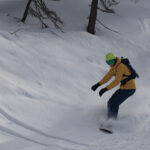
(127, 87)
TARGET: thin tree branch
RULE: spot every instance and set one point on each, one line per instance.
(106, 9)
(107, 27)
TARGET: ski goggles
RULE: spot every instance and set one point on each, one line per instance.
(110, 62)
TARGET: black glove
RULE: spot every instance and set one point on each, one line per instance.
(94, 87)
(102, 91)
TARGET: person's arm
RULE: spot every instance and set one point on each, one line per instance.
(119, 74)
(107, 77)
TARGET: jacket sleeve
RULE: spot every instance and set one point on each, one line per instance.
(107, 77)
(119, 74)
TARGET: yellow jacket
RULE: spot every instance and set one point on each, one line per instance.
(118, 71)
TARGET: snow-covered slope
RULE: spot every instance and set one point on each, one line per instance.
(45, 78)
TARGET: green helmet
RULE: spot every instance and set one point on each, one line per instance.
(110, 56)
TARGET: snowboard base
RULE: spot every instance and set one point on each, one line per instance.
(107, 126)
(106, 130)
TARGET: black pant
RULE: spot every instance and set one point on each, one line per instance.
(117, 98)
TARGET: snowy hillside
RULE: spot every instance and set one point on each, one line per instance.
(46, 102)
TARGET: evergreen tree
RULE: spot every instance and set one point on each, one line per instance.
(40, 11)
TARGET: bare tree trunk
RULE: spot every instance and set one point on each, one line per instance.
(26, 11)
(93, 17)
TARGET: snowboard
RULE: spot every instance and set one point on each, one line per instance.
(105, 130)
(106, 127)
